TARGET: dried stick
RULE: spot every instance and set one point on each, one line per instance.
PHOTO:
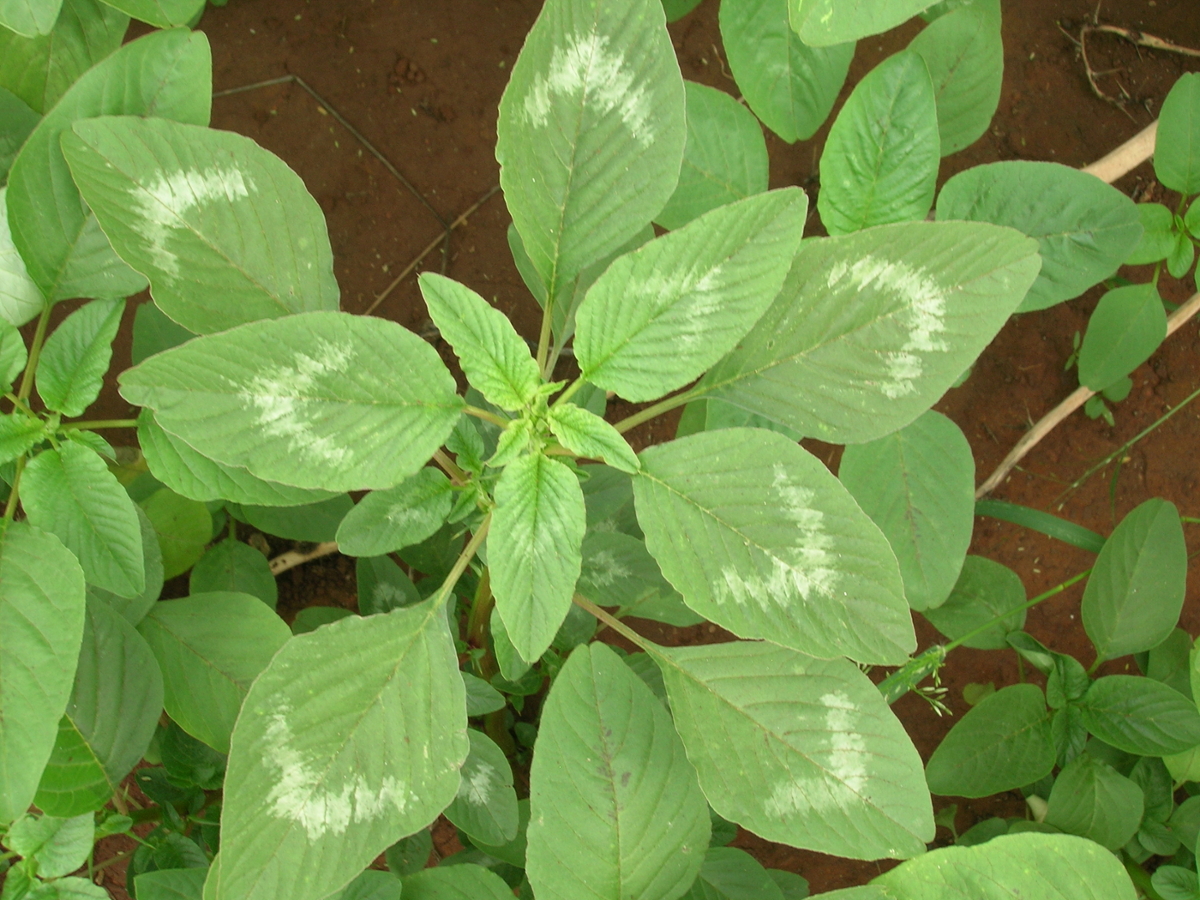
(1127, 157)
(293, 558)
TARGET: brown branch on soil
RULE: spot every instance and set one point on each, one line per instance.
(293, 558)
(1127, 157)
(1133, 36)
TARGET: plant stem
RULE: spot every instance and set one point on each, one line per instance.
(113, 860)
(486, 416)
(35, 351)
(657, 409)
(1029, 604)
(451, 468)
(17, 404)
(543, 347)
(477, 622)
(614, 623)
(10, 508)
(464, 559)
(566, 395)
(100, 423)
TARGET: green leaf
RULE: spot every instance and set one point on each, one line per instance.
(789, 83)
(165, 74)
(1181, 257)
(494, 357)
(1176, 883)
(19, 433)
(1177, 145)
(20, 298)
(17, 122)
(407, 514)
(1158, 234)
(661, 315)
(1092, 800)
(29, 18)
(60, 845)
(619, 571)
(482, 698)
(1140, 715)
(985, 591)
(586, 434)
(630, 823)
(820, 761)
(132, 609)
(113, 711)
(234, 566)
(161, 13)
(880, 161)
(591, 132)
(186, 472)
(313, 522)
(210, 648)
(171, 884)
(534, 549)
(871, 328)
(1084, 228)
(153, 332)
(677, 9)
(732, 874)
(724, 159)
(350, 739)
(41, 629)
(184, 528)
(791, 885)
(383, 586)
(75, 357)
(760, 538)
(70, 493)
(311, 618)
(225, 231)
(1000, 744)
(1052, 526)
(918, 486)
(68, 889)
(372, 885)
(486, 804)
(966, 61)
(13, 355)
(317, 400)
(1127, 326)
(821, 22)
(1135, 593)
(456, 883)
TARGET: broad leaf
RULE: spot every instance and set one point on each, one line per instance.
(165, 74)
(591, 132)
(985, 591)
(225, 231)
(60, 844)
(725, 158)
(918, 486)
(317, 400)
(110, 719)
(384, 521)
(313, 522)
(161, 13)
(819, 760)
(1127, 325)
(210, 648)
(1140, 715)
(821, 22)
(533, 549)
(29, 18)
(352, 738)
(1002, 743)
(455, 883)
(732, 874)
(17, 122)
(619, 571)
(41, 627)
(1084, 228)
(133, 609)
(70, 493)
(789, 84)
(75, 357)
(661, 315)
(383, 586)
(19, 433)
(1093, 800)
(1177, 145)
(20, 299)
(183, 528)
(234, 566)
(632, 821)
(760, 538)
(880, 162)
(1135, 593)
(586, 434)
(871, 328)
(486, 805)
(171, 884)
(1158, 234)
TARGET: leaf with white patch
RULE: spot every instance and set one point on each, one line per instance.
(661, 315)
(759, 537)
(820, 763)
(591, 132)
(486, 805)
(534, 549)
(20, 298)
(632, 821)
(384, 521)
(316, 400)
(619, 571)
(225, 230)
(350, 739)
(871, 328)
(166, 74)
(493, 356)
(75, 357)
(586, 434)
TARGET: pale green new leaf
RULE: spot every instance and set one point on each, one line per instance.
(70, 493)
(41, 627)
(986, 593)
(29, 18)
(822, 22)
(880, 161)
(19, 433)
(586, 434)
(20, 299)
(591, 132)
(350, 739)
(661, 315)
(632, 821)
(75, 357)
(798, 750)
(759, 537)
(872, 328)
(39, 70)
(493, 356)
(1140, 715)
(1135, 593)
(486, 804)
(384, 521)
(455, 883)
(1177, 144)
(790, 84)
(317, 400)
(165, 74)
(534, 549)
(161, 13)
(1093, 800)
(1002, 743)
(225, 231)
(1084, 228)
(210, 648)
(918, 486)
(60, 845)
(725, 158)
(1126, 327)
(114, 708)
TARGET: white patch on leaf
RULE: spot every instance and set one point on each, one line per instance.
(923, 315)
(476, 786)
(164, 202)
(586, 72)
(604, 569)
